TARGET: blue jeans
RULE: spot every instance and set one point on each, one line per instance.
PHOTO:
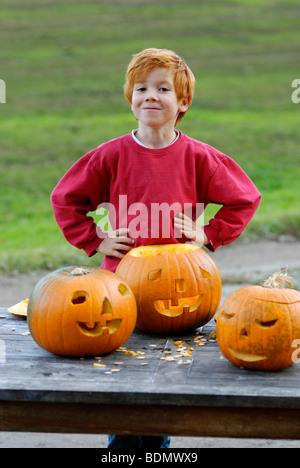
(145, 442)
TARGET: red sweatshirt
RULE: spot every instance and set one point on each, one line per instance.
(145, 186)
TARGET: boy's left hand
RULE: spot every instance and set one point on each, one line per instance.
(190, 229)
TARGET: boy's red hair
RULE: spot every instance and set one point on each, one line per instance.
(141, 63)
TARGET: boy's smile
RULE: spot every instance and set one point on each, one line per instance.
(155, 104)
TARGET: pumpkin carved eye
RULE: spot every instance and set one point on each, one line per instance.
(180, 285)
(204, 273)
(155, 275)
(267, 323)
(79, 297)
(123, 290)
(227, 315)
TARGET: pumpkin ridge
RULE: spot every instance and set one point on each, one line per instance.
(47, 290)
(291, 322)
(140, 316)
(168, 269)
(195, 272)
(238, 325)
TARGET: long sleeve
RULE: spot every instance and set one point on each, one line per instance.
(230, 187)
(80, 191)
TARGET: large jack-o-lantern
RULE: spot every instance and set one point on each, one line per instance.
(256, 325)
(177, 286)
(81, 311)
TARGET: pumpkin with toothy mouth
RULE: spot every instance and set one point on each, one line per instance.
(78, 311)
(177, 286)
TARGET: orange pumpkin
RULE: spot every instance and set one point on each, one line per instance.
(256, 325)
(177, 286)
(81, 311)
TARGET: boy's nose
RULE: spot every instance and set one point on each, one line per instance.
(151, 96)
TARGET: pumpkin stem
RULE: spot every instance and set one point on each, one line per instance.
(278, 279)
(78, 271)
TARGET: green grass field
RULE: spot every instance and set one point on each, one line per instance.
(64, 64)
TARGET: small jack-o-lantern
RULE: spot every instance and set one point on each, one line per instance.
(177, 286)
(81, 311)
(256, 325)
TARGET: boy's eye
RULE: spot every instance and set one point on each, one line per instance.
(141, 89)
(163, 88)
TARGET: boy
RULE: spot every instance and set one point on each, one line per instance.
(154, 168)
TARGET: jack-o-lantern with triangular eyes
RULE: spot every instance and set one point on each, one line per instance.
(78, 311)
(257, 325)
(177, 286)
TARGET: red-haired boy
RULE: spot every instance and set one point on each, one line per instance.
(154, 166)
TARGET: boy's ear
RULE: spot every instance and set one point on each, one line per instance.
(184, 104)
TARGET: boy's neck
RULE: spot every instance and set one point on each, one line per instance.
(155, 139)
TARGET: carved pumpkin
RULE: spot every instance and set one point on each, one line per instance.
(177, 286)
(256, 325)
(77, 312)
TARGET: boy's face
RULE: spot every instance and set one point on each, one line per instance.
(154, 100)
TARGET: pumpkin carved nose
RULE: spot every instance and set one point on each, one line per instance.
(180, 285)
(244, 333)
(106, 307)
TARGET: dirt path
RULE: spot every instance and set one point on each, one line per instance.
(239, 264)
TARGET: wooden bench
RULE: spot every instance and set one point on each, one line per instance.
(150, 386)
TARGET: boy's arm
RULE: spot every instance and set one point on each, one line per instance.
(80, 191)
(232, 188)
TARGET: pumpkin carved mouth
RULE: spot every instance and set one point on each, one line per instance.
(176, 307)
(97, 330)
(246, 357)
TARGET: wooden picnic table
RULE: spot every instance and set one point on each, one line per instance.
(150, 386)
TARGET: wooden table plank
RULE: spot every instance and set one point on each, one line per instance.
(150, 420)
(208, 396)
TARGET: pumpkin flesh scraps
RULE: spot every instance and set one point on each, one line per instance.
(20, 309)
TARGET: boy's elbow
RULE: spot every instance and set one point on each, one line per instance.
(55, 197)
(52, 197)
(257, 199)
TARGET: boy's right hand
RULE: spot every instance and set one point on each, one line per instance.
(116, 242)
